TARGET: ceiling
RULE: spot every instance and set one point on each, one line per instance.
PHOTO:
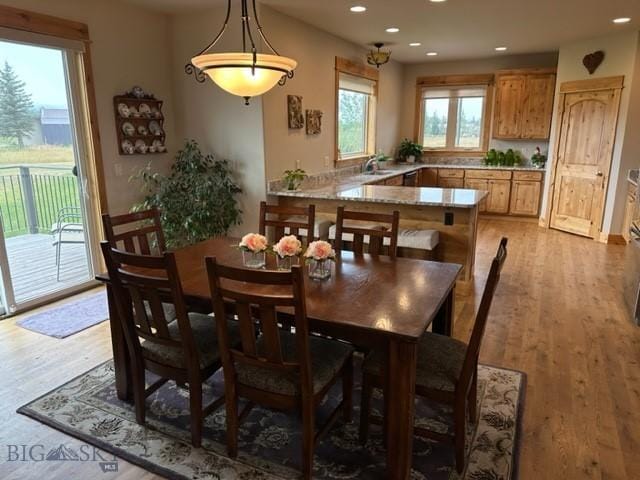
(455, 29)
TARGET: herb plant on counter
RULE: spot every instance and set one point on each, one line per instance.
(409, 149)
(293, 178)
(197, 201)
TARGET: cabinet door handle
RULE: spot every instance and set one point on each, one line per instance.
(599, 174)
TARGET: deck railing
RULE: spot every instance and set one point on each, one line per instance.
(32, 195)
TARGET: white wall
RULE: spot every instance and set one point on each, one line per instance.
(315, 52)
(218, 121)
(620, 59)
(129, 47)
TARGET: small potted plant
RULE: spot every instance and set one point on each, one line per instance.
(538, 159)
(319, 256)
(409, 151)
(287, 250)
(293, 178)
(253, 246)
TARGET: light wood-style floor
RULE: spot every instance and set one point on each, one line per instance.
(558, 316)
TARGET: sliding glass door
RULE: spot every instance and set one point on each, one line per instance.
(45, 205)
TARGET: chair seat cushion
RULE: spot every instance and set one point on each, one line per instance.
(327, 358)
(204, 335)
(440, 360)
(320, 229)
(419, 239)
(348, 237)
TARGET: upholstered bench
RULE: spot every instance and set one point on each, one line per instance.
(320, 229)
(418, 243)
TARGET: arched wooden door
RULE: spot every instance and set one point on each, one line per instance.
(588, 119)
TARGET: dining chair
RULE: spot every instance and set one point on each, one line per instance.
(298, 221)
(359, 228)
(184, 350)
(277, 368)
(138, 232)
(447, 371)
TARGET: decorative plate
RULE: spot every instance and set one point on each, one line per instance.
(142, 130)
(155, 112)
(159, 147)
(155, 128)
(144, 110)
(128, 129)
(123, 110)
(134, 112)
(137, 92)
(127, 147)
(141, 147)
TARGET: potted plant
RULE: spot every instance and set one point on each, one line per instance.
(538, 159)
(293, 178)
(409, 151)
(197, 200)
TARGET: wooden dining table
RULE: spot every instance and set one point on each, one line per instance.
(371, 301)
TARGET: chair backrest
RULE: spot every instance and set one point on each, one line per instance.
(140, 284)
(292, 218)
(389, 222)
(255, 295)
(137, 232)
(473, 349)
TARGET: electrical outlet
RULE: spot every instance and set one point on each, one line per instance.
(118, 169)
(326, 161)
(297, 163)
(448, 218)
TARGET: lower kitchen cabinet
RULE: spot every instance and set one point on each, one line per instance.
(478, 184)
(525, 198)
(498, 198)
(446, 182)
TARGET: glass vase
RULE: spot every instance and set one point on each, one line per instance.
(253, 259)
(285, 263)
(319, 269)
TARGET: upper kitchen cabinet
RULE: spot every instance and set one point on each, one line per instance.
(524, 103)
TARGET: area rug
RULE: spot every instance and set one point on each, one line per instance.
(269, 443)
(70, 318)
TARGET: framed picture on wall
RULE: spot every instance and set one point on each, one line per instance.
(314, 122)
(294, 110)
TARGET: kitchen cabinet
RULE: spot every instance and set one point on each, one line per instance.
(410, 179)
(450, 178)
(428, 177)
(478, 184)
(525, 198)
(499, 194)
(396, 181)
(497, 183)
(630, 212)
(524, 104)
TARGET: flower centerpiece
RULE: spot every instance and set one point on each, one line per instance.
(319, 256)
(253, 246)
(287, 250)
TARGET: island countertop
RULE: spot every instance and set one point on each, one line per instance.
(358, 188)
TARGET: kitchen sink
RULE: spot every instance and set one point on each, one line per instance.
(379, 172)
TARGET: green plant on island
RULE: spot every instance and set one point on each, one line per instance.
(197, 200)
(293, 178)
(408, 149)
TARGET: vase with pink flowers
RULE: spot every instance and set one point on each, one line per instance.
(287, 250)
(319, 256)
(253, 246)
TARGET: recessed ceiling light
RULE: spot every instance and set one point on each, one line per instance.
(500, 49)
(437, 1)
(358, 9)
(432, 54)
(392, 30)
(415, 44)
(621, 20)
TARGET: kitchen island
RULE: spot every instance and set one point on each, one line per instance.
(453, 212)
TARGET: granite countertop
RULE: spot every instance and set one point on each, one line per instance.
(358, 187)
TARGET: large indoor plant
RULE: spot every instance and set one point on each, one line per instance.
(197, 200)
(409, 151)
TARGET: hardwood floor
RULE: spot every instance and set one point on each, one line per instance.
(558, 315)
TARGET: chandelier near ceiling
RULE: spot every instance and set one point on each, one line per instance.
(378, 57)
(247, 73)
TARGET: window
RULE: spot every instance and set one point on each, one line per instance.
(355, 110)
(453, 117)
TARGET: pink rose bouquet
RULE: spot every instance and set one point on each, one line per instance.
(320, 250)
(253, 242)
(288, 246)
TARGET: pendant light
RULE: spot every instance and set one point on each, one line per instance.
(378, 57)
(245, 74)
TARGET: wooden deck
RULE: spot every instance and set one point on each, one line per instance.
(32, 259)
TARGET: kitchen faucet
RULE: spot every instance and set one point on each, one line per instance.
(372, 164)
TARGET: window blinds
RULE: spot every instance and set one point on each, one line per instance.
(356, 84)
(39, 40)
(455, 92)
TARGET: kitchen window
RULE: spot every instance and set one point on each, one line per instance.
(453, 118)
(355, 111)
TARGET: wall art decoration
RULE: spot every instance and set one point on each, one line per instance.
(139, 123)
(314, 122)
(294, 110)
(593, 60)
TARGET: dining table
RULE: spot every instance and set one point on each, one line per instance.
(374, 302)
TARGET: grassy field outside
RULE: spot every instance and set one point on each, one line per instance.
(49, 175)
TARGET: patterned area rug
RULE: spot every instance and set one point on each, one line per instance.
(87, 408)
(69, 318)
